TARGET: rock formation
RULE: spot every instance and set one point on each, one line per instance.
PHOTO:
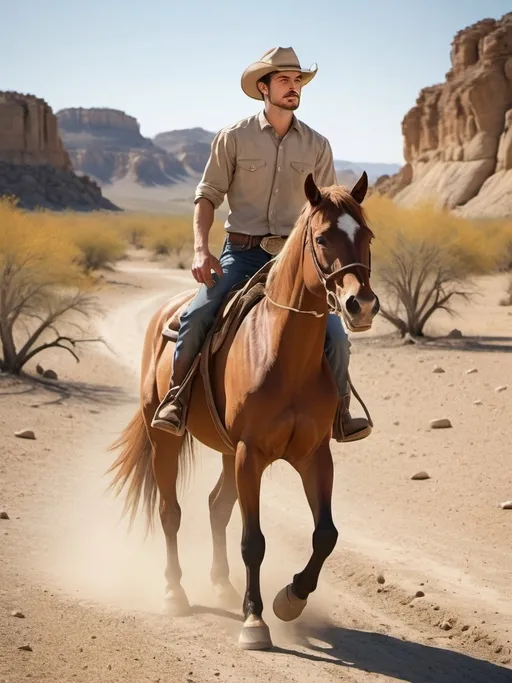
(190, 145)
(458, 137)
(107, 145)
(34, 165)
(29, 133)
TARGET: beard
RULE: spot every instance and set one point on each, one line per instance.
(285, 103)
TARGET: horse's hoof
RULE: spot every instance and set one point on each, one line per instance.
(176, 604)
(287, 606)
(227, 597)
(255, 635)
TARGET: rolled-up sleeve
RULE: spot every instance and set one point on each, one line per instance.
(218, 172)
(325, 174)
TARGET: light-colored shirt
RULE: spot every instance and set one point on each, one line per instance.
(263, 176)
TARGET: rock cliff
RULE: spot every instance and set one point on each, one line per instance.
(107, 145)
(29, 132)
(458, 137)
(34, 165)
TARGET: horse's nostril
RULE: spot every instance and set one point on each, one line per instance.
(352, 305)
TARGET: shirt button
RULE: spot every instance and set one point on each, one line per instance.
(277, 190)
(279, 168)
(252, 168)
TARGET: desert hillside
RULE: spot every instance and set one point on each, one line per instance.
(107, 145)
(35, 167)
(458, 136)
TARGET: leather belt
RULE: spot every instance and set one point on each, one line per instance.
(251, 241)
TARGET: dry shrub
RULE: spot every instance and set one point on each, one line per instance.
(99, 248)
(424, 258)
(41, 288)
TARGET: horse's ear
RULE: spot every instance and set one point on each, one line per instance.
(312, 192)
(360, 188)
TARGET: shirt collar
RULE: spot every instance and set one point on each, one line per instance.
(264, 123)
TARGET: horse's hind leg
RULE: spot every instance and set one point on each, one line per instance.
(166, 453)
(317, 477)
(221, 501)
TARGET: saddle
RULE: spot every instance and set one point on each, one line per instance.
(237, 303)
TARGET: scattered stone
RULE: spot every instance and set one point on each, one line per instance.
(420, 476)
(446, 625)
(50, 374)
(455, 334)
(442, 423)
(465, 627)
(420, 594)
(396, 423)
(25, 434)
(471, 371)
(17, 613)
(27, 648)
(500, 389)
(39, 369)
(4, 515)
(381, 579)
(436, 608)
(507, 505)
(478, 402)
(438, 369)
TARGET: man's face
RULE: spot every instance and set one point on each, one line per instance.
(285, 89)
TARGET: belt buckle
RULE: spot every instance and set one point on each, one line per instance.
(272, 244)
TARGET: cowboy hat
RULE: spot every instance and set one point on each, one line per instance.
(275, 59)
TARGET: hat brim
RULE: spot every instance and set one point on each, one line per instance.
(254, 72)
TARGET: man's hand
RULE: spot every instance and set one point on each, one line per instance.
(203, 264)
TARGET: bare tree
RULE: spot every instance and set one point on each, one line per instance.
(35, 306)
(420, 278)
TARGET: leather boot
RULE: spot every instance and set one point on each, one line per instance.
(171, 414)
(347, 428)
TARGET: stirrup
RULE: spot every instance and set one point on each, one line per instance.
(179, 393)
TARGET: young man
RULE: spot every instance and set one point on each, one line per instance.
(260, 163)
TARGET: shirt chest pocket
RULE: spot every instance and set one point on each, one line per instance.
(251, 166)
(302, 168)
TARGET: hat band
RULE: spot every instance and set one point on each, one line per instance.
(296, 67)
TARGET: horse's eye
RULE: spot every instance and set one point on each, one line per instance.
(320, 239)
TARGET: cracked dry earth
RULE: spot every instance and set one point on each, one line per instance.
(418, 588)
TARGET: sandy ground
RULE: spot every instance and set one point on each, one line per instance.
(91, 592)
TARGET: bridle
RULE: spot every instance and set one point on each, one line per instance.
(333, 303)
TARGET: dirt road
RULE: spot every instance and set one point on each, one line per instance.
(90, 592)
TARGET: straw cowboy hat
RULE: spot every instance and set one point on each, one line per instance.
(276, 59)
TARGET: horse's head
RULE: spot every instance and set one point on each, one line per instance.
(339, 251)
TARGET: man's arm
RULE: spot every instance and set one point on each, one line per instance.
(325, 174)
(210, 194)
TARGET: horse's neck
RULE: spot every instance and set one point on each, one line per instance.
(297, 338)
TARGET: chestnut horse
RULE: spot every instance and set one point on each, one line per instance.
(275, 393)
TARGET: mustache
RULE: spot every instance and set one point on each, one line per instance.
(292, 94)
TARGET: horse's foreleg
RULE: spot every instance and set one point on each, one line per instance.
(166, 449)
(249, 466)
(221, 501)
(317, 475)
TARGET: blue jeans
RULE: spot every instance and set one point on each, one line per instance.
(237, 265)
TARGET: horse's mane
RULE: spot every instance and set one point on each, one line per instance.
(286, 262)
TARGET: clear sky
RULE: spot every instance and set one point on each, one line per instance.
(178, 64)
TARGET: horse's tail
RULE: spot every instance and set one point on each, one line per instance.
(134, 466)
